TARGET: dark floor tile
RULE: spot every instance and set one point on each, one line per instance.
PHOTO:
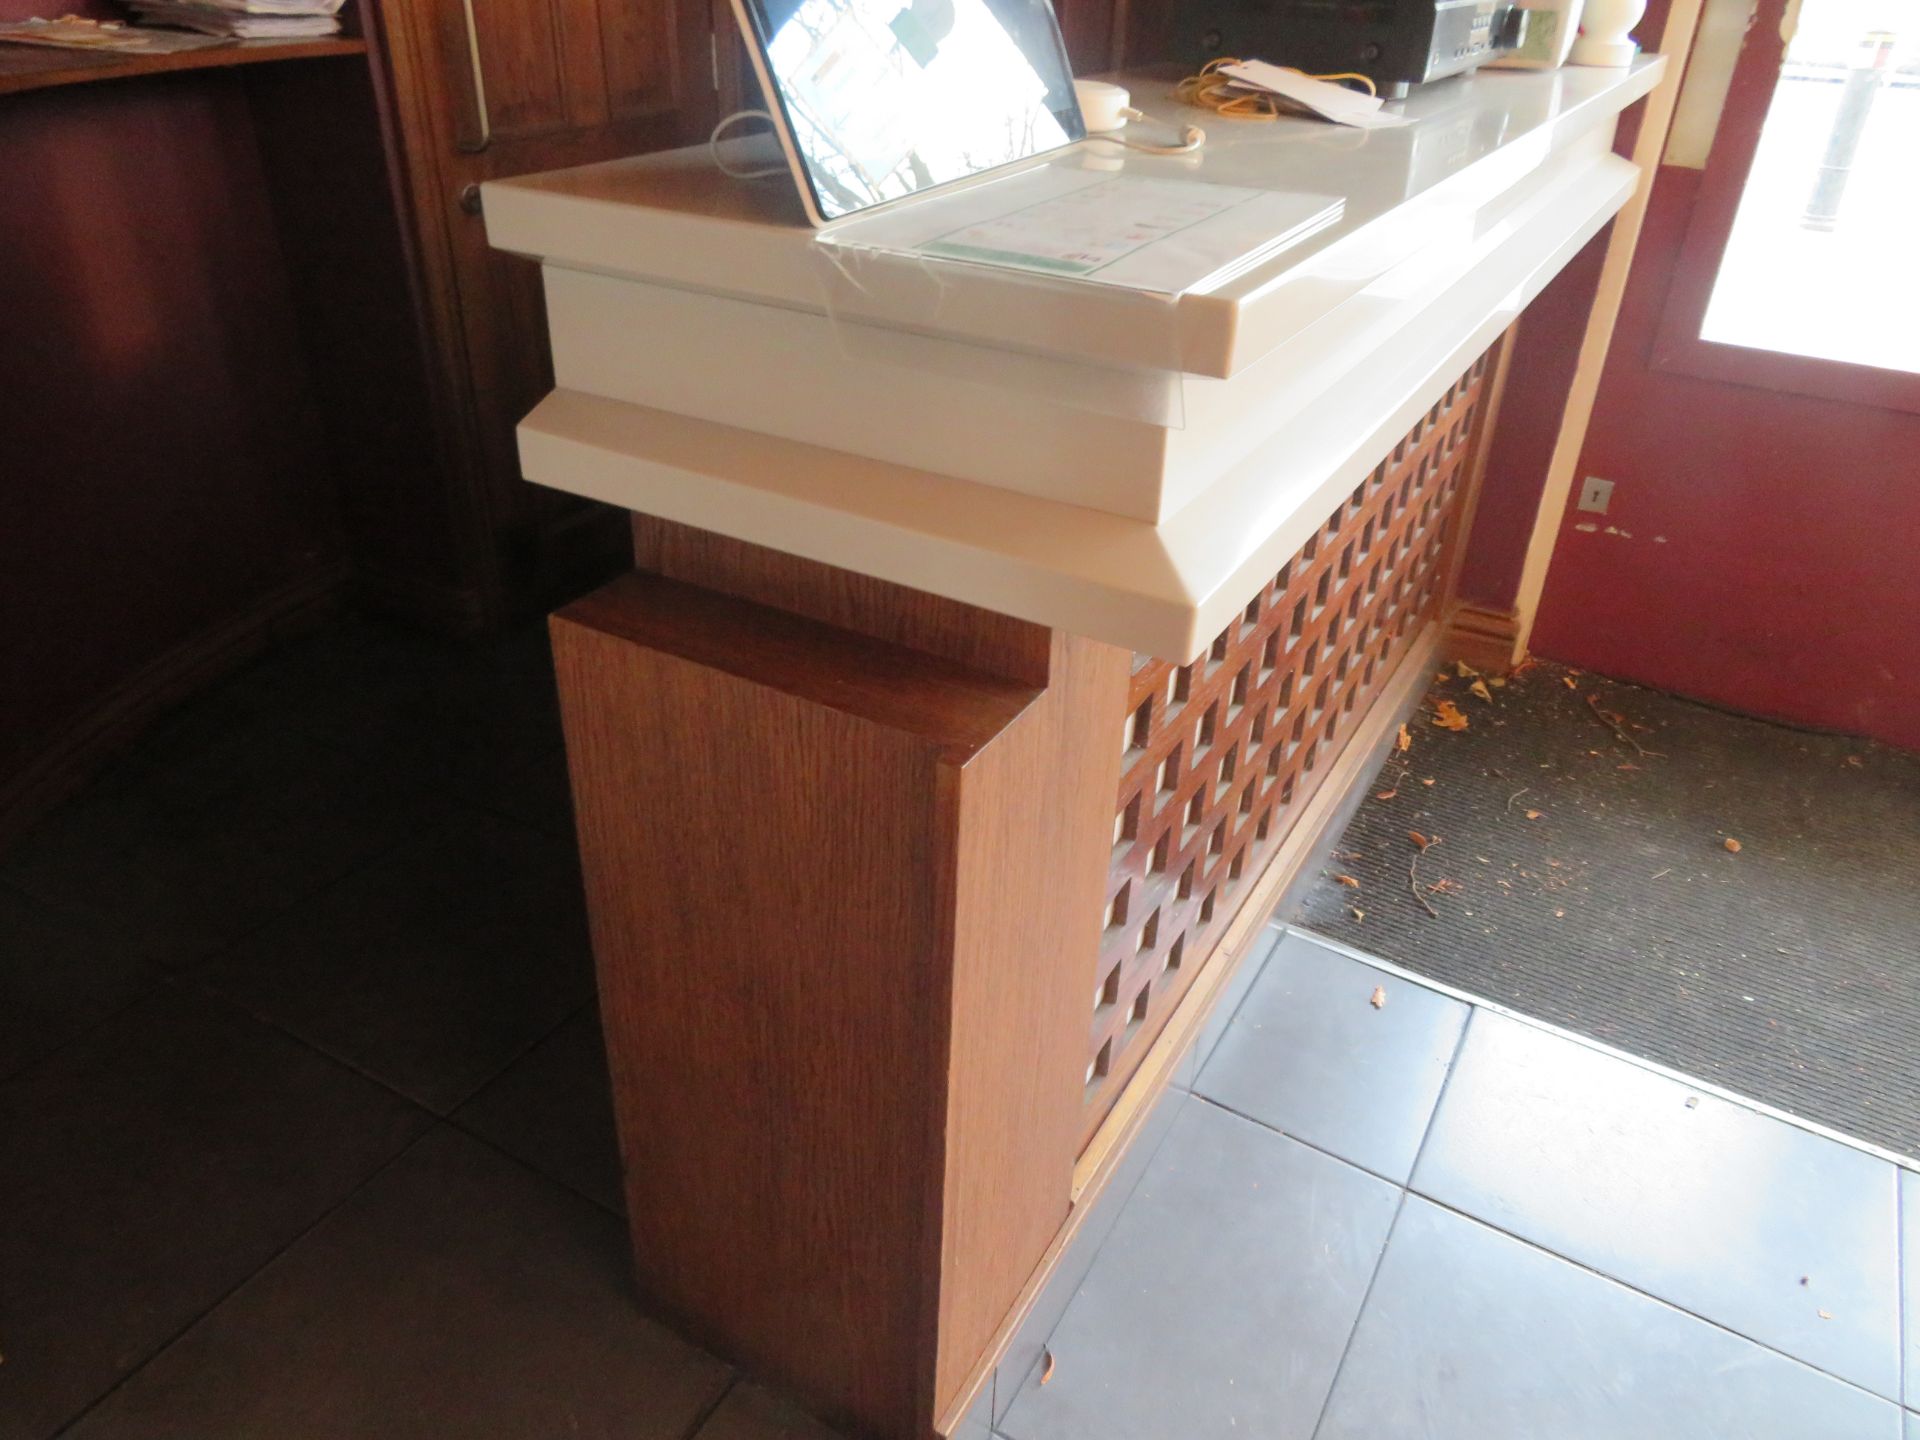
(433, 968)
(1220, 1304)
(752, 1413)
(553, 1108)
(1312, 1056)
(1910, 1264)
(537, 795)
(451, 714)
(146, 1170)
(182, 856)
(59, 973)
(456, 1295)
(1471, 1335)
(1755, 1224)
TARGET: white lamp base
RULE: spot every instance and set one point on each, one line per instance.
(1613, 55)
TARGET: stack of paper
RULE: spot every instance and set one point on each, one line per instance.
(1330, 102)
(245, 19)
(73, 32)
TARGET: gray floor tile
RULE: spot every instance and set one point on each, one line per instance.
(150, 1167)
(433, 968)
(553, 1108)
(1471, 1335)
(1237, 990)
(751, 1412)
(1311, 1056)
(1221, 1302)
(59, 974)
(1755, 1224)
(455, 1295)
(977, 1424)
(1023, 1354)
(1910, 1264)
(1913, 1426)
(237, 825)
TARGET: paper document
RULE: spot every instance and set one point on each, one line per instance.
(1325, 99)
(71, 32)
(1138, 232)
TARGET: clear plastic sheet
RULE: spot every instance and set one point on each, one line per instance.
(1082, 262)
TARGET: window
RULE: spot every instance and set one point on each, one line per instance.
(1821, 258)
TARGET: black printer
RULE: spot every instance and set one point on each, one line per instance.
(1394, 43)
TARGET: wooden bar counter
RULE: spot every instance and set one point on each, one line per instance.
(994, 655)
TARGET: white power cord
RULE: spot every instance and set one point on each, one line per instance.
(713, 147)
(1192, 137)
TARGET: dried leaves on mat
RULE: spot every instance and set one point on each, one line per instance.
(1447, 715)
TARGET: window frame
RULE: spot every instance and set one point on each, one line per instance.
(1678, 346)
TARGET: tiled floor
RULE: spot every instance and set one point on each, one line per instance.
(305, 1132)
(304, 1123)
(1423, 1217)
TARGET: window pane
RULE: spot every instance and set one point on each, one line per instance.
(1824, 258)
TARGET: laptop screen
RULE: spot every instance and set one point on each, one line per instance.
(885, 98)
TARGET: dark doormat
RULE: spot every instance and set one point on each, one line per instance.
(1579, 862)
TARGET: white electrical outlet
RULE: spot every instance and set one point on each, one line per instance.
(1596, 495)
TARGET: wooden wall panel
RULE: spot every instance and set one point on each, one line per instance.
(165, 487)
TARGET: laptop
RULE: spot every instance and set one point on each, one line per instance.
(876, 101)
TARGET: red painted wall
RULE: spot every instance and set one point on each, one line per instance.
(1773, 564)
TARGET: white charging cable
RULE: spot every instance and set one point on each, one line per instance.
(713, 147)
(1106, 109)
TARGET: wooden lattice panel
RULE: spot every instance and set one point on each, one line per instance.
(1222, 753)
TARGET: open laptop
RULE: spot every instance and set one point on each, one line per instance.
(879, 100)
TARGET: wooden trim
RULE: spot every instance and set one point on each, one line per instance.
(1485, 426)
(1486, 638)
(24, 68)
(89, 741)
(1676, 41)
(1101, 1158)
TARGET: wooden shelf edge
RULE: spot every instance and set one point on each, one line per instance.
(33, 67)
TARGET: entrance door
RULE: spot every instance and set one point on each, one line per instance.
(1759, 415)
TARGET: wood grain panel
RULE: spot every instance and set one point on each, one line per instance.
(641, 53)
(842, 894)
(963, 633)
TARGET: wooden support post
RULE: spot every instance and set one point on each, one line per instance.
(1675, 42)
(845, 896)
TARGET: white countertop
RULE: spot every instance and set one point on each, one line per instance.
(1325, 357)
(673, 219)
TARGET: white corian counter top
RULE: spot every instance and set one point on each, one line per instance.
(1042, 449)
